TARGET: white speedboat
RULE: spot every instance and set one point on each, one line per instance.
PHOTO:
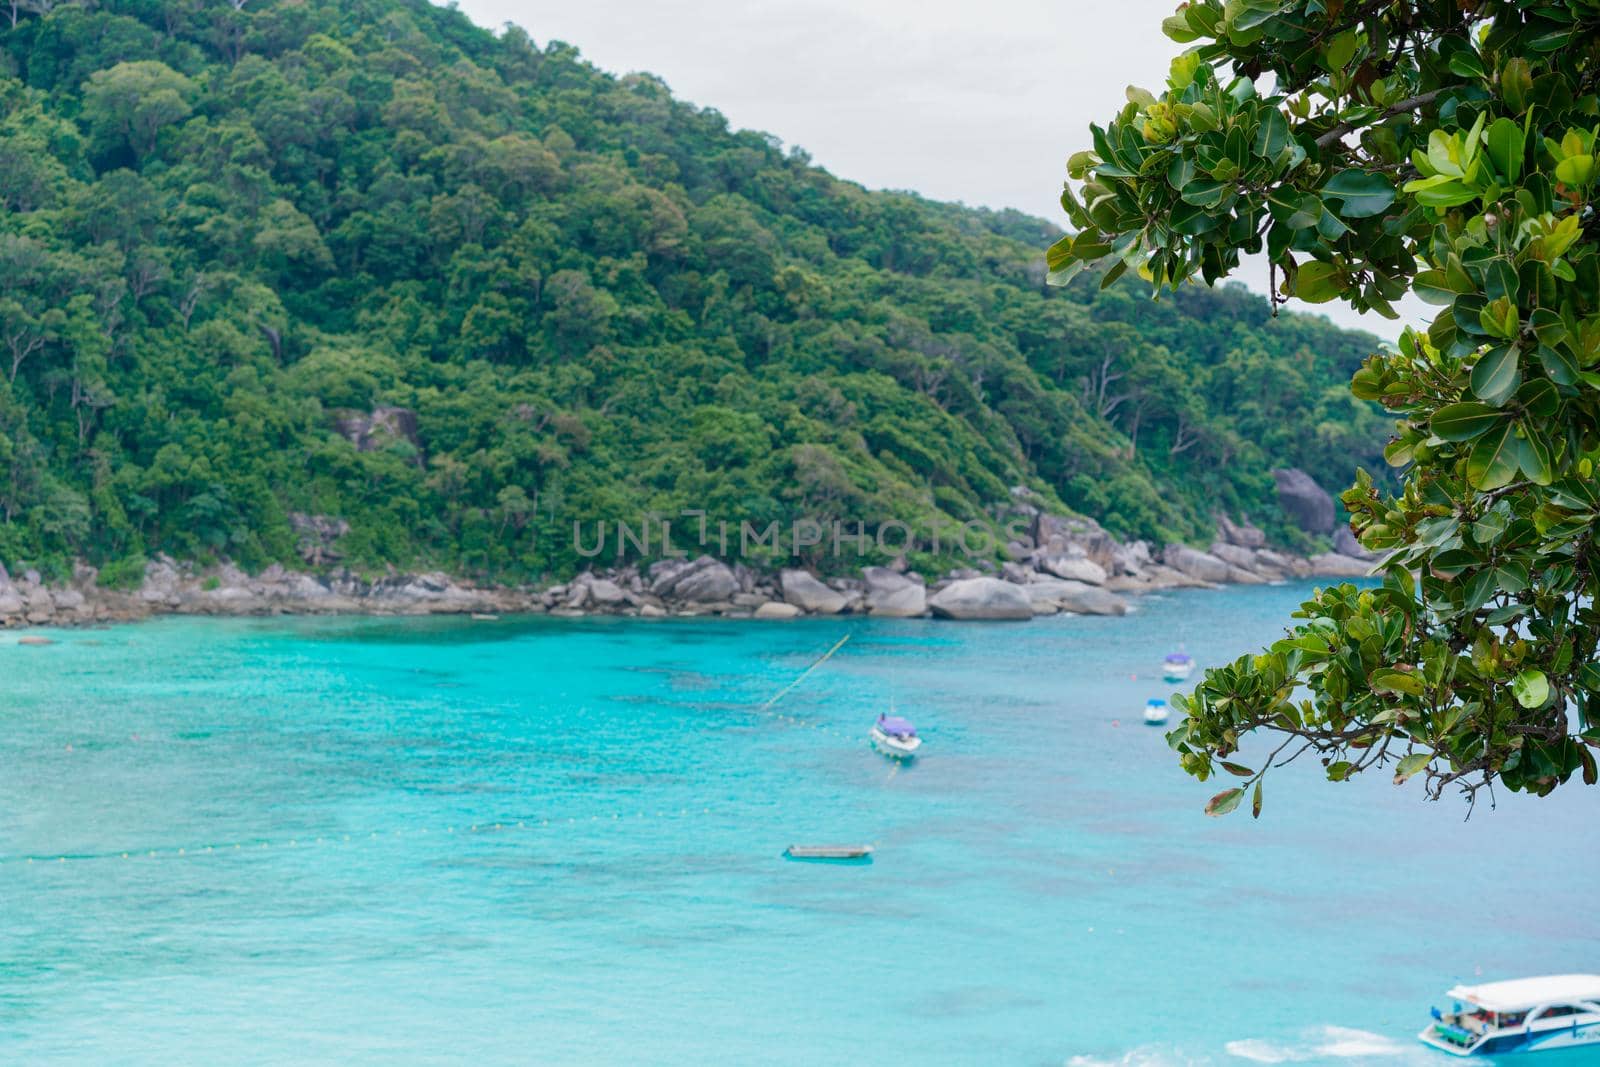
(1177, 666)
(1557, 1011)
(895, 736)
(1155, 712)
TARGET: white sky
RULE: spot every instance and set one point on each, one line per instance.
(978, 102)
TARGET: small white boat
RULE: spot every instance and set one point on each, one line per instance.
(1557, 1011)
(1177, 666)
(1155, 712)
(895, 736)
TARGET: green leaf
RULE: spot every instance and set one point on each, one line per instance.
(1531, 689)
(1225, 801)
(1363, 193)
(1494, 459)
(1535, 457)
(1463, 422)
(1466, 64)
(1410, 766)
(1497, 374)
(1340, 51)
(1558, 364)
(1273, 135)
(1317, 282)
(1205, 193)
(1177, 28)
(1449, 564)
(1392, 681)
(1506, 146)
(1441, 192)
(1539, 398)
(1255, 799)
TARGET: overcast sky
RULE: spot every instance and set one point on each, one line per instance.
(980, 102)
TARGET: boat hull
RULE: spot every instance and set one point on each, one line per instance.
(895, 747)
(1583, 1033)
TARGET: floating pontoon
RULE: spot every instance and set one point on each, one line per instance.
(828, 852)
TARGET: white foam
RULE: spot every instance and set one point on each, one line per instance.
(1320, 1043)
(1147, 1056)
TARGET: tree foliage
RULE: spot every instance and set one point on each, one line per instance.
(1370, 149)
(232, 232)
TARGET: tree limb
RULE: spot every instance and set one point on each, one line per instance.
(1410, 103)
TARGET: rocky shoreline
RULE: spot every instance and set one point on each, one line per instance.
(1061, 565)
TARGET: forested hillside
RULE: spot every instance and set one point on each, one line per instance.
(230, 232)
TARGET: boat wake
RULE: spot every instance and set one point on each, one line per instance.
(1322, 1044)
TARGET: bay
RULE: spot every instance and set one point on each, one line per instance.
(559, 841)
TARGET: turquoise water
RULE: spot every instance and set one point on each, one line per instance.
(558, 841)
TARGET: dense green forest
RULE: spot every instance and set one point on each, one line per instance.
(230, 231)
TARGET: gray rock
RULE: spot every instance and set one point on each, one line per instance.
(1131, 558)
(884, 579)
(1273, 564)
(40, 607)
(1201, 565)
(11, 605)
(1080, 598)
(1231, 553)
(1291, 566)
(702, 581)
(651, 611)
(776, 609)
(802, 590)
(1333, 565)
(1242, 533)
(303, 587)
(605, 591)
(316, 535)
(1074, 568)
(383, 426)
(160, 585)
(1240, 576)
(907, 602)
(1016, 572)
(1304, 501)
(1152, 579)
(981, 598)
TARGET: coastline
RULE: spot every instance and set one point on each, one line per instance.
(1063, 566)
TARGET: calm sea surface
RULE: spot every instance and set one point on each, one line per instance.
(558, 841)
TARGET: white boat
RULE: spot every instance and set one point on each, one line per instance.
(1155, 712)
(895, 736)
(1557, 1011)
(1177, 666)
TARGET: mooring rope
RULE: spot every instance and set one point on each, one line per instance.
(837, 645)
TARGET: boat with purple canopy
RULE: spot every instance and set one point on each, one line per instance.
(1177, 666)
(894, 736)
